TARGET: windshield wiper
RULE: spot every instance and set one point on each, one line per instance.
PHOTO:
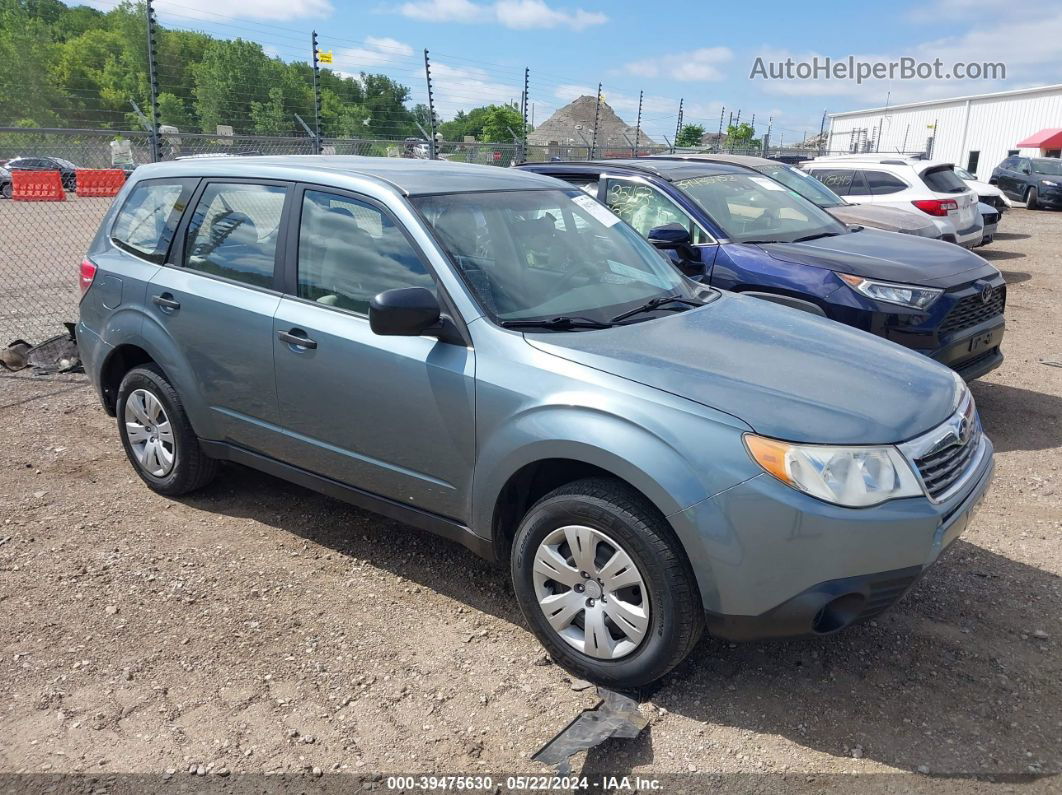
(816, 236)
(656, 303)
(559, 323)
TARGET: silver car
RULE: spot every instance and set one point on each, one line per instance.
(493, 356)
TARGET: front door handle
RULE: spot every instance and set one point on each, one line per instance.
(166, 301)
(297, 338)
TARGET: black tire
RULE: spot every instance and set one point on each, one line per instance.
(676, 616)
(7, 190)
(1032, 199)
(191, 469)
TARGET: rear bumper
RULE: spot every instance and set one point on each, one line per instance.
(831, 605)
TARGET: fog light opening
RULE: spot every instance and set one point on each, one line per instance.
(838, 613)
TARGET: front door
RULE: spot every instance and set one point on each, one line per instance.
(394, 416)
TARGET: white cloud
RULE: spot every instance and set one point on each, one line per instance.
(211, 10)
(516, 14)
(693, 66)
(376, 52)
(460, 88)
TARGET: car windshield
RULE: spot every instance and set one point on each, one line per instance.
(803, 183)
(756, 209)
(543, 255)
(1051, 166)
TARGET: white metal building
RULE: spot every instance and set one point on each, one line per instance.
(975, 132)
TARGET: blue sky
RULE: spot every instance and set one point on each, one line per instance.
(700, 52)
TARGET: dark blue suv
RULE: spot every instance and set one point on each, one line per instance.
(736, 229)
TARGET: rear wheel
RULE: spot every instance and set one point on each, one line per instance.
(157, 436)
(605, 585)
(7, 190)
(1032, 199)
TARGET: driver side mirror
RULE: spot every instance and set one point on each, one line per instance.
(410, 312)
(1026, 170)
(675, 240)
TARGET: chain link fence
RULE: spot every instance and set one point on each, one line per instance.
(42, 243)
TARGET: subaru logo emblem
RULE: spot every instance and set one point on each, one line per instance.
(987, 293)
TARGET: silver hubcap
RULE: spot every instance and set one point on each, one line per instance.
(591, 592)
(149, 432)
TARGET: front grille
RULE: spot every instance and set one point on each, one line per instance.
(991, 218)
(993, 201)
(973, 309)
(942, 469)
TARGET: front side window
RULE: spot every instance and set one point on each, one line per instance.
(233, 232)
(146, 223)
(644, 207)
(543, 254)
(837, 180)
(349, 251)
(882, 183)
(753, 208)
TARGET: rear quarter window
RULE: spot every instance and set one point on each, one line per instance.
(147, 221)
(943, 180)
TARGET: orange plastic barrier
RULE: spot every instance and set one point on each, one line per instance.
(37, 186)
(99, 181)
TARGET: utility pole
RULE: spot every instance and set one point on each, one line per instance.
(678, 124)
(316, 96)
(767, 137)
(822, 130)
(719, 139)
(597, 116)
(153, 80)
(523, 137)
(638, 125)
(431, 107)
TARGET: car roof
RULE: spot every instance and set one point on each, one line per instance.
(670, 170)
(407, 176)
(919, 165)
(741, 160)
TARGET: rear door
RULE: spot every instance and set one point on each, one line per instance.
(216, 302)
(394, 416)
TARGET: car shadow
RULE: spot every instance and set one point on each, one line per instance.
(1019, 419)
(952, 679)
(1015, 277)
(998, 255)
(887, 691)
(1012, 236)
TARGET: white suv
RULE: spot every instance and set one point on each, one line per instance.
(890, 180)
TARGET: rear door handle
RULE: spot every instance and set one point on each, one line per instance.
(166, 302)
(297, 338)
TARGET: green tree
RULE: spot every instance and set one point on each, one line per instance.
(27, 90)
(741, 136)
(501, 122)
(690, 135)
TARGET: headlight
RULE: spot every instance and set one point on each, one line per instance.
(855, 477)
(891, 293)
(1050, 182)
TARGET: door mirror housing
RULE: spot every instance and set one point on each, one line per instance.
(404, 312)
(675, 241)
(670, 236)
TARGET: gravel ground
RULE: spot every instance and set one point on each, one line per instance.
(256, 627)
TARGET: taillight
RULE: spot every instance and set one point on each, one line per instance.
(87, 274)
(938, 207)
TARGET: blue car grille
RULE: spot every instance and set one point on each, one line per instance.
(973, 309)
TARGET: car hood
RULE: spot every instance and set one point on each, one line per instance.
(891, 219)
(787, 374)
(983, 188)
(875, 254)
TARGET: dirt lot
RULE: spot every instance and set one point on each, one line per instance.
(256, 627)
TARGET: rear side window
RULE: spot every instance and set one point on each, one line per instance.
(943, 180)
(233, 232)
(146, 223)
(881, 183)
(840, 182)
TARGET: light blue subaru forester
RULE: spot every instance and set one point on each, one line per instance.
(495, 357)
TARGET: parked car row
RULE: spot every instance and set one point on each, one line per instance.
(510, 362)
(1037, 181)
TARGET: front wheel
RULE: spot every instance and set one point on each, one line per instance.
(605, 585)
(1032, 199)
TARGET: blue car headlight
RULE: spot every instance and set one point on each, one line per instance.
(891, 293)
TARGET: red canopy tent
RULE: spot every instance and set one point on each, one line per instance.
(1050, 138)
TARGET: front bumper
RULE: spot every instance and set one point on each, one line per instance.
(777, 563)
